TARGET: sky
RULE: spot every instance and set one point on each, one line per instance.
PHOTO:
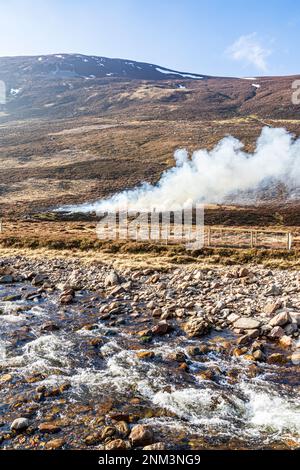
(211, 37)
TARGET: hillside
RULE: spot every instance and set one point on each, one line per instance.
(71, 85)
(73, 130)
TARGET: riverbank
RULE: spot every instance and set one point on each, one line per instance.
(198, 356)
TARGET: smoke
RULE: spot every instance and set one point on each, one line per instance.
(214, 176)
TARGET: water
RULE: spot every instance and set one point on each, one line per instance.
(220, 402)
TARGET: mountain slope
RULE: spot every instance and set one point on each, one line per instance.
(73, 85)
(82, 66)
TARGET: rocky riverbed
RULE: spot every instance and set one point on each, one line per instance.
(189, 357)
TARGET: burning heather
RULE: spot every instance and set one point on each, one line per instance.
(224, 173)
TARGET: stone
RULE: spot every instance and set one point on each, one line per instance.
(157, 312)
(274, 290)
(166, 315)
(248, 357)
(39, 279)
(265, 330)
(66, 299)
(120, 417)
(11, 298)
(54, 444)
(19, 424)
(258, 355)
(154, 278)
(112, 279)
(6, 279)
(92, 439)
(207, 374)
(195, 351)
(277, 358)
(49, 326)
(116, 291)
(243, 272)
(49, 428)
(276, 332)
(233, 317)
(271, 307)
(116, 444)
(151, 305)
(281, 319)
(145, 354)
(141, 435)
(290, 328)
(239, 351)
(286, 341)
(5, 378)
(161, 328)
(295, 316)
(197, 327)
(156, 446)
(295, 358)
(183, 366)
(122, 428)
(247, 338)
(107, 431)
(246, 324)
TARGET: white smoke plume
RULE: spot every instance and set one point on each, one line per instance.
(212, 176)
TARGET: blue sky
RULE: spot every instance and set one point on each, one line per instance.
(216, 37)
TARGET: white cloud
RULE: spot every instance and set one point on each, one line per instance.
(249, 50)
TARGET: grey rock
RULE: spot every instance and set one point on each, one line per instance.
(281, 319)
(247, 324)
(19, 424)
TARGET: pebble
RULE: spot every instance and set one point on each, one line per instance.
(19, 424)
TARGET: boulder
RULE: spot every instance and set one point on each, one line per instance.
(197, 327)
(141, 435)
(246, 324)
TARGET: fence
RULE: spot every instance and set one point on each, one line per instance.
(248, 238)
(175, 228)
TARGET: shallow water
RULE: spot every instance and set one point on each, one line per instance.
(220, 402)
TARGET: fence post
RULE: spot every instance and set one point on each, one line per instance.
(289, 241)
(208, 236)
(252, 239)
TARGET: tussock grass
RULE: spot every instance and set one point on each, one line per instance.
(174, 254)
